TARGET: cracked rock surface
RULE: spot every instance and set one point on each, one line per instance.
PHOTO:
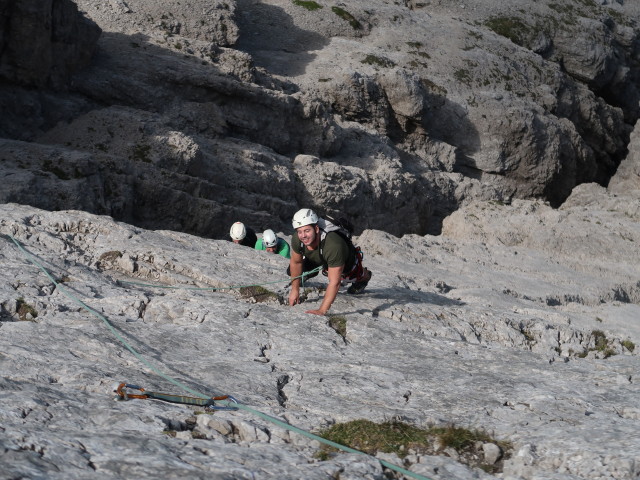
(134, 132)
(518, 320)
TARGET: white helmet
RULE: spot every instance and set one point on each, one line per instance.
(304, 217)
(238, 231)
(269, 238)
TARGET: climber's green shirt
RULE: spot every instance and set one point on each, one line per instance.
(335, 251)
(282, 247)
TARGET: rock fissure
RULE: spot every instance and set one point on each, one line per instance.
(282, 381)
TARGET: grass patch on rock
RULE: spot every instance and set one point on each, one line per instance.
(309, 5)
(403, 439)
(371, 438)
(463, 76)
(458, 438)
(258, 294)
(377, 61)
(26, 312)
(629, 345)
(339, 324)
(601, 345)
(58, 171)
(510, 27)
(343, 14)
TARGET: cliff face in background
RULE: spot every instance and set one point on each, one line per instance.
(44, 42)
(247, 110)
(506, 128)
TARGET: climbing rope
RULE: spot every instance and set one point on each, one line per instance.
(228, 403)
(115, 333)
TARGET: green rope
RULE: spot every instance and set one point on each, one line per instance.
(232, 287)
(184, 387)
(74, 299)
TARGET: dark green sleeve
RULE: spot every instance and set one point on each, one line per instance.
(295, 242)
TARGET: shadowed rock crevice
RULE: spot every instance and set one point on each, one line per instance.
(283, 380)
(44, 42)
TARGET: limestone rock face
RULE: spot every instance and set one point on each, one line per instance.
(531, 337)
(358, 192)
(200, 24)
(506, 128)
(205, 175)
(405, 108)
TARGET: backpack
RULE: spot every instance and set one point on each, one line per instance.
(342, 226)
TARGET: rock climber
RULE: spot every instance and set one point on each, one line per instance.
(312, 247)
(273, 244)
(243, 235)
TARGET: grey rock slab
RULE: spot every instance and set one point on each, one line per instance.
(436, 339)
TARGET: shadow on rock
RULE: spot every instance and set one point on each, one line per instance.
(269, 35)
(393, 297)
(442, 114)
